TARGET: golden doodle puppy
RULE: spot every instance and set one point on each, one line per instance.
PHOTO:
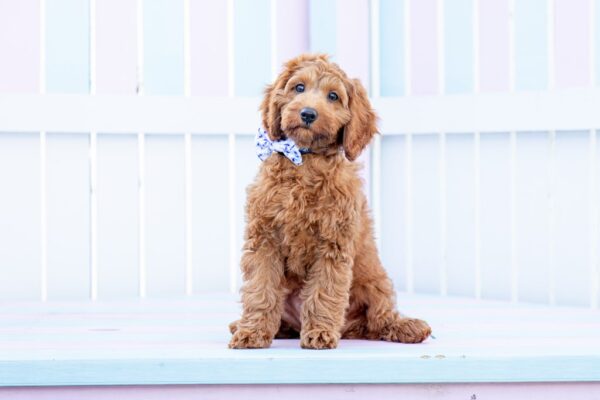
(310, 263)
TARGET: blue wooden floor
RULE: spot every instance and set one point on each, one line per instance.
(184, 341)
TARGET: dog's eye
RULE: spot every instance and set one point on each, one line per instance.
(332, 96)
(300, 88)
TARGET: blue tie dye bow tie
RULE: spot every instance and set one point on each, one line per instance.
(265, 147)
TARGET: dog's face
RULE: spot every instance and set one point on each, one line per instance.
(314, 103)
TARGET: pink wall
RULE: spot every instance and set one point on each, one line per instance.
(494, 74)
(423, 47)
(116, 46)
(208, 47)
(572, 43)
(292, 29)
(19, 45)
(353, 38)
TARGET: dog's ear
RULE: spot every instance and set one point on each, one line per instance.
(363, 122)
(274, 98)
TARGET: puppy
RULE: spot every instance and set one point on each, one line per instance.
(310, 264)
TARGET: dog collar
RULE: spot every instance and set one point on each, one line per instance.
(265, 147)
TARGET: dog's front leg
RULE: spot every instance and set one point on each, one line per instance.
(262, 298)
(325, 299)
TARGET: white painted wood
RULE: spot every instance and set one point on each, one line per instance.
(532, 188)
(117, 200)
(20, 222)
(246, 167)
(165, 215)
(210, 221)
(68, 197)
(495, 216)
(572, 219)
(426, 220)
(460, 195)
(393, 198)
(497, 112)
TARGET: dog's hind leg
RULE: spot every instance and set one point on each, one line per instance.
(372, 290)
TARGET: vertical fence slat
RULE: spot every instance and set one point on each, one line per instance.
(460, 195)
(532, 189)
(117, 205)
(393, 203)
(572, 219)
(165, 215)
(426, 224)
(20, 226)
(246, 165)
(68, 196)
(495, 216)
(210, 170)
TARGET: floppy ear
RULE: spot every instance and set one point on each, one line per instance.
(273, 100)
(363, 122)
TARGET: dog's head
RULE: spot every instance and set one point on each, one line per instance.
(314, 103)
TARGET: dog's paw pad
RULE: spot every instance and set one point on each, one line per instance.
(319, 339)
(247, 339)
(408, 330)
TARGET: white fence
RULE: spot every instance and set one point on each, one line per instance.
(116, 213)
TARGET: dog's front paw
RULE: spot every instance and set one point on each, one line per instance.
(407, 330)
(249, 339)
(319, 339)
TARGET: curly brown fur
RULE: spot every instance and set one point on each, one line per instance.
(310, 264)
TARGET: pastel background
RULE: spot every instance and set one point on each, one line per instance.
(501, 215)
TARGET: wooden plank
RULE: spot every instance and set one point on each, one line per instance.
(183, 341)
(322, 20)
(533, 391)
(165, 215)
(20, 222)
(210, 224)
(117, 199)
(572, 43)
(68, 196)
(392, 53)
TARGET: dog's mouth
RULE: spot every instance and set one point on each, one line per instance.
(306, 136)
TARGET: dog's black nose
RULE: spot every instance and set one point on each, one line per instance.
(308, 115)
